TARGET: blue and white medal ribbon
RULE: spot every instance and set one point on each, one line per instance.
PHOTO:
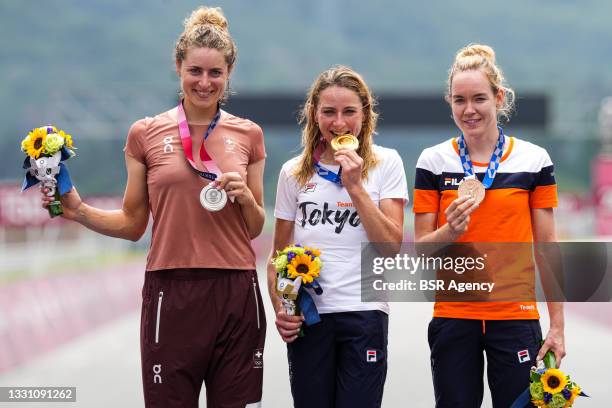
(468, 167)
(328, 174)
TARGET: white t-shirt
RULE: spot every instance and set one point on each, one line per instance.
(325, 219)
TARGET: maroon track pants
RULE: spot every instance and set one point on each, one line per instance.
(202, 325)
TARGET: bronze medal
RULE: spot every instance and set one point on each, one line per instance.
(472, 187)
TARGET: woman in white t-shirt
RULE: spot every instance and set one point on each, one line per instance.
(333, 201)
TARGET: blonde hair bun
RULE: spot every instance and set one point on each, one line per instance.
(482, 57)
(206, 16)
(476, 50)
(206, 27)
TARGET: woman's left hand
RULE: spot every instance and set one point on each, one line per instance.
(555, 342)
(235, 187)
(352, 165)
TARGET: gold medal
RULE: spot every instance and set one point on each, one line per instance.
(346, 141)
(473, 188)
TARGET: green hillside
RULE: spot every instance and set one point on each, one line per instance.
(58, 54)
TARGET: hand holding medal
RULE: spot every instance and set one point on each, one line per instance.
(213, 197)
(235, 186)
(458, 215)
(471, 192)
(345, 147)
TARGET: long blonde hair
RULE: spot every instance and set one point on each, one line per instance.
(345, 77)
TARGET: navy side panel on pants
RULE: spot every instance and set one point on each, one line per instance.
(457, 361)
(341, 361)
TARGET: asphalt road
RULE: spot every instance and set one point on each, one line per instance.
(104, 364)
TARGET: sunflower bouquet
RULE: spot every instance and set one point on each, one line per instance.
(297, 268)
(46, 147)
(550, 387)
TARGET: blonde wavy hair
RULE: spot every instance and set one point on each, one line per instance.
(482, 58)
(344, 77)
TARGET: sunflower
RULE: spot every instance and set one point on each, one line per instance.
(302, 265)
(67, 139)
(553, 380)
(34, 143)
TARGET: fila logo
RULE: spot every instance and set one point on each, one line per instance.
(448, 181)
(168, 144)
(523, 356)
(157, 374)
(310, 187)
(371, 356)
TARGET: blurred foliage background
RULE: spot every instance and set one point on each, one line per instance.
(94, 67)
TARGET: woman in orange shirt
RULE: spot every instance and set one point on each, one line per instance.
(515, 181)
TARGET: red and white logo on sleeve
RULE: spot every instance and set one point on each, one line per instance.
(310, 187)
(371, 356)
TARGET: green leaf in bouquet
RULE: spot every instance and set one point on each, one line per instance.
(55, 207)
(535, 376)
(549, 360)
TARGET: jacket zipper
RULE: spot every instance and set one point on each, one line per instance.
(159, 305)
(256, 301)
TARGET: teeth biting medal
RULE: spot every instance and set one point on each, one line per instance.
(345, 141)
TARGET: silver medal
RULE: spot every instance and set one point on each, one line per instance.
(213, 199)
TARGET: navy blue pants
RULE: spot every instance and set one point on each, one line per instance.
(457, 360)
(341, 361)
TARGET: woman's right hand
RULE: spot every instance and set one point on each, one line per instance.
(288, 326)
(458, 215)
(71, 202)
